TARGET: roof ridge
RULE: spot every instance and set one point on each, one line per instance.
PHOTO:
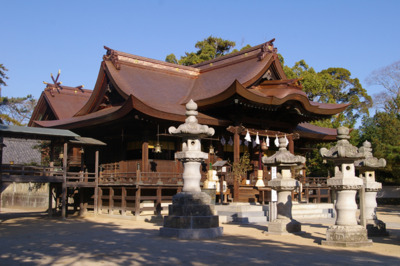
(117, 57)
(265, 48)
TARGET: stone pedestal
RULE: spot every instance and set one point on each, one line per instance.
(191, 216)
(375, 227)
(284, 224)
(367, 168)
(346, 232)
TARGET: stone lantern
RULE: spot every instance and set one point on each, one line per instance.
(366, 169)
(191, 215)
(346, 232)
(284, 184)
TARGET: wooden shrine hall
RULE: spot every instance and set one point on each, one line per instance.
(136, 99)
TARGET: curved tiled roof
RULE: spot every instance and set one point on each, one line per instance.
(160, 89)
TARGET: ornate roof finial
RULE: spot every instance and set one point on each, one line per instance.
(57, 84)
(112, 56)
(267, 47)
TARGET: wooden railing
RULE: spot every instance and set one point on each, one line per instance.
(140, 178)
(315, 189)
(43, 174)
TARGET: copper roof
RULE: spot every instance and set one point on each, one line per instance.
(160, 89)
(63, 103)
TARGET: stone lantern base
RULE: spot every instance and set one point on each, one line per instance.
(191, 216)
(283, 227)
(346, 236)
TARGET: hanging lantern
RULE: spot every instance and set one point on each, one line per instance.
(211, 150)
(287, 141)
(257, 139)
(248, 138)
(157, 148)
(267, 141)
(230, 142)
(276, 141)
(264, 146)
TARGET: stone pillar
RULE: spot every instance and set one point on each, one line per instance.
(284, 184)
(346, 232)
(375, 227)
(191, 215)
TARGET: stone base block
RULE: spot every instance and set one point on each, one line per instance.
(283, 227)
(346, 236)
(204, 233)
(376, 228)
(191, 222)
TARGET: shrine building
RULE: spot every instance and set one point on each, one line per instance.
(136, 99)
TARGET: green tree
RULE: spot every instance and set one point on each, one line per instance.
(382, 129)
(3, 76)
(332, 85)
(207, 49)
(17, 110)
(14, 110)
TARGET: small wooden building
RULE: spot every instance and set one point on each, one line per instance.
(136, 99)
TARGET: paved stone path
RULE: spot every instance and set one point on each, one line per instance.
(28, 238)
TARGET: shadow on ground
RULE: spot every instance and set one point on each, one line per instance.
(34, 238)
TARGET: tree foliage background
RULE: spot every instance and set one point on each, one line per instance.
(383, 128)
(14, 110)
(207, 49)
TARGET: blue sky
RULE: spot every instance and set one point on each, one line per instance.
(41, 37)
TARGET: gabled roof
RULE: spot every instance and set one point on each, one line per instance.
(160, 89)
(62, 103)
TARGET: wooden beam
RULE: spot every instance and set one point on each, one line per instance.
(64, 183)
(96, 187)
(145, 156)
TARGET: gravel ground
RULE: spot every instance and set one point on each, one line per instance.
(31, 238)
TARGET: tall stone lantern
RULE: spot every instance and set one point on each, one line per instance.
(191, 215)
(284, 184)
(366, 169)
(346, 232)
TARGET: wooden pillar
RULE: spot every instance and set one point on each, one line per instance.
(291, 144)
(100, 200)
(82, 209)
(50, 211)
(64, 183)
(236, 159)
(123, 201)
(137, 201)
(158, 201)
(96, 183)
(145, 156)
(111, 200)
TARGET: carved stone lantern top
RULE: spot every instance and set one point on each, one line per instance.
(370, 162)
(283, 157)
(343, 150)
(191, 129)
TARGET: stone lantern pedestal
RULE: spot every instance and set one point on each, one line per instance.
(191, 215)
(284, 184)
(346, 232)
(375, 227)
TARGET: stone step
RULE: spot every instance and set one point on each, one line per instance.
(250, 220)
(309, 211)
(312, 216)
